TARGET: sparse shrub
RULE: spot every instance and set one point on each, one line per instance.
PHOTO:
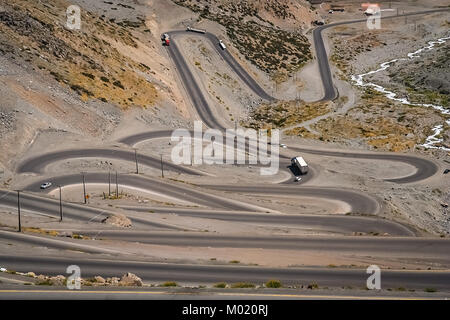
(273, 284)
(88, 75)
(46, 282)
(169, 284)
(117, 83)
(243, 285)
(220, 285)
(313, 285)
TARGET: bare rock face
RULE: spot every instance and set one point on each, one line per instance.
(41, 277)
(118, 220)
(130, 279)
(99, 280)
(114, 281)
(58, 280)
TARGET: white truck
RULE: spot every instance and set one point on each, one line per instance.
(195, 30)
(222, 45)
(301, 164)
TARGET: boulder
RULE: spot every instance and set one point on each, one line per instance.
(118, 220)
(130, 280)
(58, 280)
(114, 281)
(99, 279)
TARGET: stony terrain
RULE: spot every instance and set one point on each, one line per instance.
(255, 30)
(374, 120)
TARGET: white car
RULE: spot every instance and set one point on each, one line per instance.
(46, 185)
(283, 145)
(297, 179)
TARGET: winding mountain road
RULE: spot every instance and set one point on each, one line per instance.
(358, 201)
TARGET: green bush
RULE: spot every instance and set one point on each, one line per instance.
(313, 285)
(273, 284)
(243, 285)
(220, 285)
(169, 284)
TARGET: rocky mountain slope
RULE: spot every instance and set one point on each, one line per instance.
(267, 33)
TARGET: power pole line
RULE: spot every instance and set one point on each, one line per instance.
(135, 159)
(162, 168)
(18, 209)
(109, 183)
(117, 187)
(84, 188)
(60, 205)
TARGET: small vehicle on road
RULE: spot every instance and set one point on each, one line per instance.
(222, 45)
(301, 164)
(165, 39)
(298, 179)
(46, 185)
(446, 171)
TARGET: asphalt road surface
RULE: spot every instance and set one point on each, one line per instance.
(424, 168)
(360, 202)
(38, 163)
(436, 248)
(321, 53)
(12, 292)
(50, 207)
(186, 193)
(335, 223)
(201, 274)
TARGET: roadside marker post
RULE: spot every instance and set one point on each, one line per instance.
(117, 187)
(18, 209)
(84, 188)
(136, 160)
(109, 183)
(162, 168)
(60, 205)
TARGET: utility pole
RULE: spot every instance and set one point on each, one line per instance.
(84, 188)
(109, 183)
(117, 187)
(18, 209)
(135, 159)
(162, 168)
(60, 205)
